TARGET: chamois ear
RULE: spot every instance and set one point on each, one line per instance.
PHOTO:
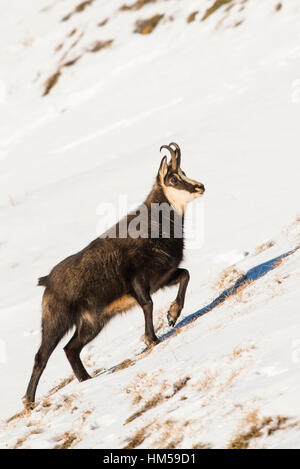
(163, 169)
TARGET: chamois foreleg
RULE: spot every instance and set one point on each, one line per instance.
(182, 277)
(142, 295)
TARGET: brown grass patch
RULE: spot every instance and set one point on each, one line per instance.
(150, 404)
(268, 424)
(61, 385)
(180, 384)
(46, 403)
(227, 277)
(68, 63)
(99, 45)
(240, 295)
(21, 440)
(136, 5)
(59, 47)
(23, 413)
(238, 352)
(148, 25)
(208, 380)
(103, 23)
(67, 440)
(263, 247)
(72, 32)
(97, 371)
(137, 439)
(238, 23)
(125, 364)
(278, 7)
(192, 16)
(51, 82)
(171, 434)
(141, 388)
(201, 446)
(216, 5)
(233, 375)
(79, 8)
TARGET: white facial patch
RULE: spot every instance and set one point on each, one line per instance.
(178, 198)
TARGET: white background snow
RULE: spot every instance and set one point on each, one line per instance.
(227, 89)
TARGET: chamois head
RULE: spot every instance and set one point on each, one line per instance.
(177, 187)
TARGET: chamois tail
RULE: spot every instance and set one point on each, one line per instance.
(43, 281)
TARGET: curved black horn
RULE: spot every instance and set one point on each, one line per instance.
(178, 152)
(173, 155)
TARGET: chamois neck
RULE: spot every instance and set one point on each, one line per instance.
(156, 196)
(170, 219)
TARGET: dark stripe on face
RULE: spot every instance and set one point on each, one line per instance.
(180, 181)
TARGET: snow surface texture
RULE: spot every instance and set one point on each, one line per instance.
(227, 89)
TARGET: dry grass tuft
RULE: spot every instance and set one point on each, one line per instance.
(277, 425)
(59, 47)
(46, 403)
(263, 247)
(242, 440)
(103, 23)
(72, 32)
(21, 440)
(137, 5)
(171, 434)
(233, 375)
(97, 371)
(192, 16)
(227, 277)
(68, 400)
(67, 440)
(79, 8)
(68, 63)
(23, 413)
(180, 384)
(240, 295)
(141, 388)
(51, 82)
(148, 25)
(238, 352)
(208, 380)
(61, 385)
(150, 404)
(201, 446)
(137, 439)
(216, 5)
(99, 45)
(268, 424)
(125, 364)
(238, 23)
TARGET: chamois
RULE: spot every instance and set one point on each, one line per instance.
(116, 272)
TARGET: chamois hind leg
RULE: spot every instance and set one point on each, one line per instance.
(86, 331)
(182, 277)
(54, 327)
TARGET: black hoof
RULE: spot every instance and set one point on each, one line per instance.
(171, 321)
(28, 404)
(151, 342)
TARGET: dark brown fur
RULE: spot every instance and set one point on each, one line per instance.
(107, 277)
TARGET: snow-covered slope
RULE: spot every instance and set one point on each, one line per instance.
(228, 90)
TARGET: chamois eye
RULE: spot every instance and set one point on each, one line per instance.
(173, 180)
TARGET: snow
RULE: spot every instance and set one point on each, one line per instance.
(229, 95)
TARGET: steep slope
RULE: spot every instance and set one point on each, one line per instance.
(226, 87)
